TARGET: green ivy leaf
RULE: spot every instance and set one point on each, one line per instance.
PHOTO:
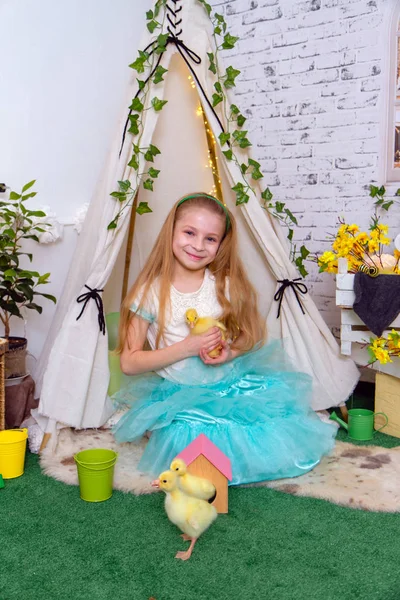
(290, 234)
(303, 251)
(230, 77)
(121, 196)
(299, 264)
(218, 87)
(148, 184)
(291, 216)
(14, 196)
(217, 30)
(373, 190)
(159, 74)
(256, 174)
(161, 43)
(134, 128)
(148, 156)
(224, 137)
(244, 143)
(28, 185)
(234, 109)
(154, 150)
(124, 185)
(139, 63)
(382, 190)
(387, 205)
(153, 172)
(228, 154)
(229, 41)
(152, 25)
(216, 99)
(136, 105)
(149, 15)
(134, 163)
(212, 67)
(141, 84)
(113, 224)
(143, 208)
(279, 206)
(254, 163)
(158, 104)
(243, 168)
(242, 198)
(241, 120)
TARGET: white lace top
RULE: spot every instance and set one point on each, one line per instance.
(204, 300)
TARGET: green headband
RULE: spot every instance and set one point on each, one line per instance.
(200, 195)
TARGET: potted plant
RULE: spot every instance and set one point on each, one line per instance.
(18, 285)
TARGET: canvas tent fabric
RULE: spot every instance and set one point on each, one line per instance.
(72, 375)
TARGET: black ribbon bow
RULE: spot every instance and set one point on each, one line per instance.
(95, 294)
(296, 287)
(185, 53)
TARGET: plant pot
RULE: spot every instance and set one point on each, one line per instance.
(16, 357)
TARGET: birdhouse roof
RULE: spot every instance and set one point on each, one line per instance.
(202, 445)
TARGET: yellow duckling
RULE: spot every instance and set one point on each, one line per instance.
(199, 325)
(191, 484)
(191, 515)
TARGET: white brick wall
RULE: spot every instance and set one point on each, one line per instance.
(311, 85)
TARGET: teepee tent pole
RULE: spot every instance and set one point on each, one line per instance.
(128, 253)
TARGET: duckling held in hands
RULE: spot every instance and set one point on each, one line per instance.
(191, 484)
(199, 325)
(191, 515)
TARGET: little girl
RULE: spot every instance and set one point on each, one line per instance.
(247, 400)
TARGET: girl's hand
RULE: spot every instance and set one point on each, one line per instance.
(209, 340)
(225, 356)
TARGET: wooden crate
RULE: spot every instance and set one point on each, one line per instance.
(387, 400)
(354, 334)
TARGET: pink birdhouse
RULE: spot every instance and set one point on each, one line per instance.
(205, 459)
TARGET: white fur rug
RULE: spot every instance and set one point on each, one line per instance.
(359, 477)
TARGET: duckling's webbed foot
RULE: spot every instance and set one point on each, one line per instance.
(186, 555)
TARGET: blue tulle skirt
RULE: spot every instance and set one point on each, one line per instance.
(255, 409)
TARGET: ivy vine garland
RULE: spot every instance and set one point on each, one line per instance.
(148, 64)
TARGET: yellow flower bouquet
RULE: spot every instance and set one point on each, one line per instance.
(363, 251)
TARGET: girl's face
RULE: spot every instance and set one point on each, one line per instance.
(198, 233)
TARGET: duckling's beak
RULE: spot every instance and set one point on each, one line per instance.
(191, 324)
(155, 483)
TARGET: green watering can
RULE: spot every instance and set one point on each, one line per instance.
(361, 423)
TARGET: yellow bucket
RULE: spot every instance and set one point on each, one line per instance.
(12, 452)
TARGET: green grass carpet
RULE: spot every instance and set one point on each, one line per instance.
(271, 545)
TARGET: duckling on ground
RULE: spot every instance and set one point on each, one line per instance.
(192, 515)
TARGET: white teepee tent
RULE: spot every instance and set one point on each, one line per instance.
(72, 375)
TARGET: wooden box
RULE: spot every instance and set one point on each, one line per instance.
(387, 400)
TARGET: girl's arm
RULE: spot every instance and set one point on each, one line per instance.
(134, 360)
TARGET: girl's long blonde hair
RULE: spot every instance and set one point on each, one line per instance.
(240, 313)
